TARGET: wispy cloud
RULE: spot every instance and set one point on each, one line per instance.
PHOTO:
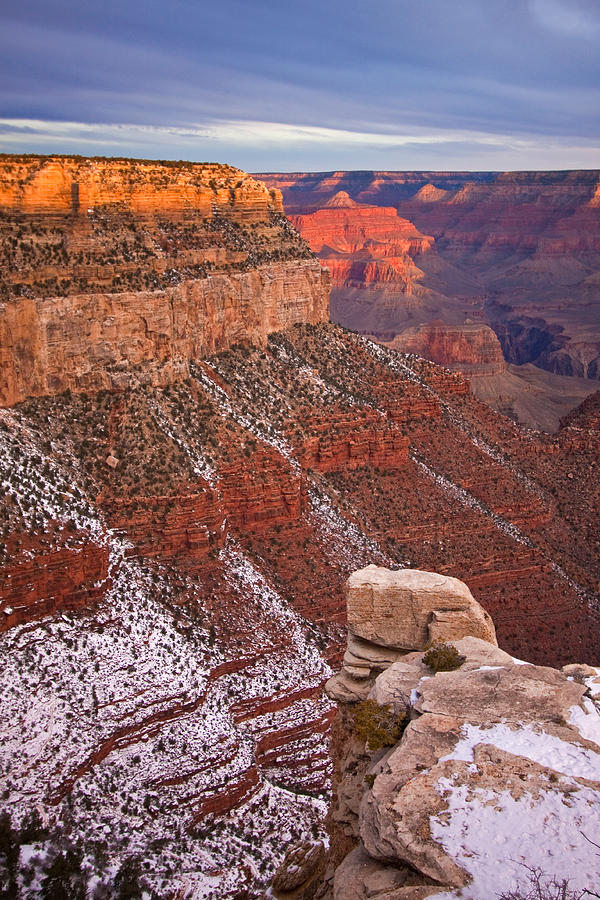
(280, 145)
(308, 84)
(572, 19)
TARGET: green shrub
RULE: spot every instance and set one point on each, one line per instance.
(379, 726)
(442, 657)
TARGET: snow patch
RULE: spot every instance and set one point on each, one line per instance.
(533, 744)
(492, 836)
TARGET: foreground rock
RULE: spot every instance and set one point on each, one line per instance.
(497, 770)
(391, 613)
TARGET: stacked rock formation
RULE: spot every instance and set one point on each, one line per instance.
(498, 759)
(392, 613)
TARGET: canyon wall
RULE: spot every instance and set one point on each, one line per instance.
(471, 348)
(89, 342)
(74, 185)
(115, 267)
(518, 252)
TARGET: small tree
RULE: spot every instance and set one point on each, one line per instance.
(379, 726)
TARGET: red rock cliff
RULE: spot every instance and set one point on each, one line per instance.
(111, 266)
(471, 348)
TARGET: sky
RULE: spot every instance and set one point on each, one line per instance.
(309, 85)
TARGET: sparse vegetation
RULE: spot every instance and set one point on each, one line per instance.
(379, 726)
(443, 657)
(545, 887)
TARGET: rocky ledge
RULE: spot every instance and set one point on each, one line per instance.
(460, 771)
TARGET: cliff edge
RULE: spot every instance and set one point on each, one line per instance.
(459, 770)
(119, 272)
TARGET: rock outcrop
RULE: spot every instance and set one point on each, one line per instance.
(391, 613)
(110, 267)
(471, 348)
(496, 759)
(75, 185)
(365, 246)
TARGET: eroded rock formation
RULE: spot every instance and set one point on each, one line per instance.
(471, 348)
(495, 760)
(225, 512)
(113, 266)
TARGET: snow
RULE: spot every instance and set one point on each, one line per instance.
(70, 683)
(467, 499)
(532, 743)
(342, 541)
(492, 836)
(593, 683)
(176, 431)
(586, 720)
(226, 407)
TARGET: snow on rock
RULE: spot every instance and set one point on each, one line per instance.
(587, 720)
(135, 722)
(493, 836)
(535, 744)
(497, 773)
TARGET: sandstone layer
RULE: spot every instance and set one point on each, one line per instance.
(74, 185)
(91, 342)
(404, 609)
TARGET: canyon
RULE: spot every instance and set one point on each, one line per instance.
(517, 253)
(191, 467)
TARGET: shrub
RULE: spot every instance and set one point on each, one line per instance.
(545, 887)
(442, 657)
(379, 726)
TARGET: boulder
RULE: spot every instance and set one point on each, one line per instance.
(360, 877)
(298, 875)
(406, 609)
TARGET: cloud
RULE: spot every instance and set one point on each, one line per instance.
(382, 77)
(574, 19)
(278, 146)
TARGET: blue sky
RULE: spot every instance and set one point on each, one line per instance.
(285, 86)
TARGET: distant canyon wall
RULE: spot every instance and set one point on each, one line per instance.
(469, 347)
(518, 252)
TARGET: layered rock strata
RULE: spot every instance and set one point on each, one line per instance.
(517, 251)
(113, 266)
(90, 342)
(491, 748)
(74, 185)
(471, 348)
